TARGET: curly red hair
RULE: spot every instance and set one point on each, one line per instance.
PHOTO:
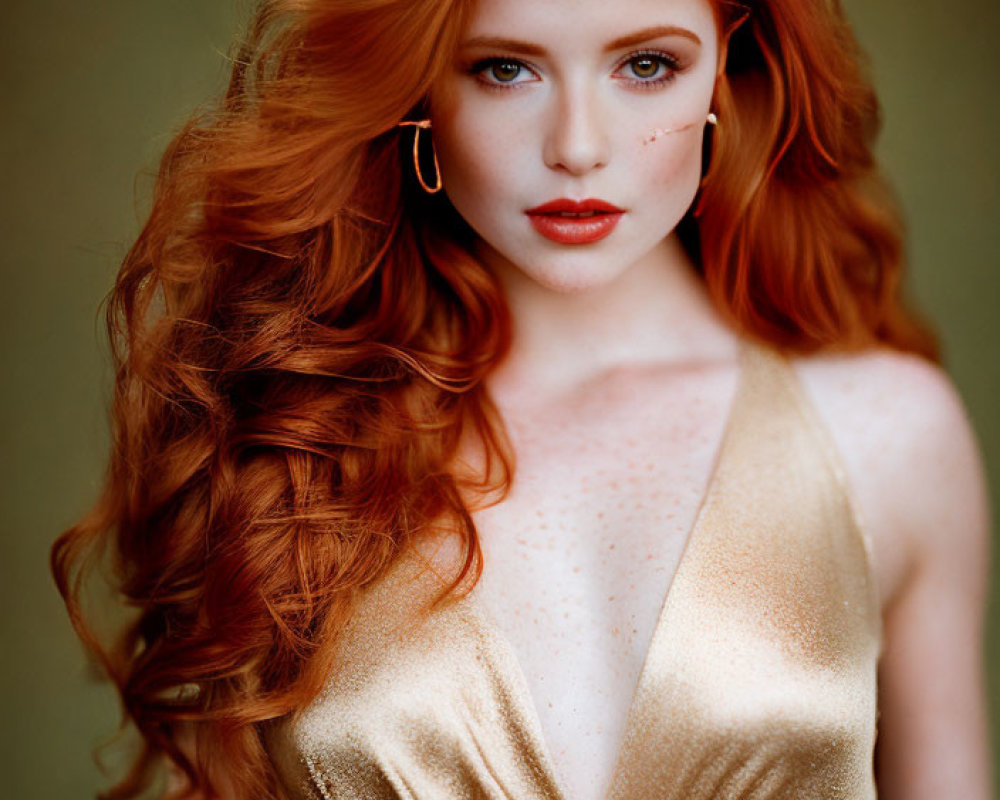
(300, 337)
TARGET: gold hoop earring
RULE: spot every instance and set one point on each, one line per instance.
(421, 125)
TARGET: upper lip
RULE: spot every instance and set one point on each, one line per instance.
(564, 204)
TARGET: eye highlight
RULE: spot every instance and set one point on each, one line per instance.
(645, 66)
(503, 70)
(650, 69)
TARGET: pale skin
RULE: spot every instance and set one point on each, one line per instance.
(620, 379)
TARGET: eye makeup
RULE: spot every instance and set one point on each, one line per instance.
(665, 65)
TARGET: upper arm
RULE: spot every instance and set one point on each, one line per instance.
(933, 732)
(917, 481)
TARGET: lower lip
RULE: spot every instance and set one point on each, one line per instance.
(575, 230)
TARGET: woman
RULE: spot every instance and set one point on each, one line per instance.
(599, 300)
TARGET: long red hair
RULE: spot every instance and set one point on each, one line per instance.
(300, 337)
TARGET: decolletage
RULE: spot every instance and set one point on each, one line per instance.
(759, 681)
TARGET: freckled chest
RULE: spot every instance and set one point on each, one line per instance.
(579, 556)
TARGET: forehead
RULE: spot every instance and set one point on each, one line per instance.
(578, 25)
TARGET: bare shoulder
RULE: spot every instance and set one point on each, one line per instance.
(916, 480)
(912, 460)
(917, 483)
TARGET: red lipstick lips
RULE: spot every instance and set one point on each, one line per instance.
(575, 221)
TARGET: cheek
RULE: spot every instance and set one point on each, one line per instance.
(479, 164)
(467, 164)
(671, 169)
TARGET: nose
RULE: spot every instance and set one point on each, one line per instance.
(576, 141)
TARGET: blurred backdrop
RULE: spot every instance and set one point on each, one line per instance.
(92, 94)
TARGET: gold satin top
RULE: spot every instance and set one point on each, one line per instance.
(759, 681)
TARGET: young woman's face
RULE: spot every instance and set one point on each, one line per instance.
(576, 99)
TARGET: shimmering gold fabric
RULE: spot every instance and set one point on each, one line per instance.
(760, 680)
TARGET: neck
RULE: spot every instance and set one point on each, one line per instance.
(657, 311)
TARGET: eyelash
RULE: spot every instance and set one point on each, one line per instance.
(665, 59)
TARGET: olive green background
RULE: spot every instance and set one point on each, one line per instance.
(91, 93)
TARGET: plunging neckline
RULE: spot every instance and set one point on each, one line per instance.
(659, 626)
(759, 676)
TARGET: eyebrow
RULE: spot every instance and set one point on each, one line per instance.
(532, 49)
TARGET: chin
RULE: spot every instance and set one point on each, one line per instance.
(560, 269)
(572, 279)
(561, 273)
